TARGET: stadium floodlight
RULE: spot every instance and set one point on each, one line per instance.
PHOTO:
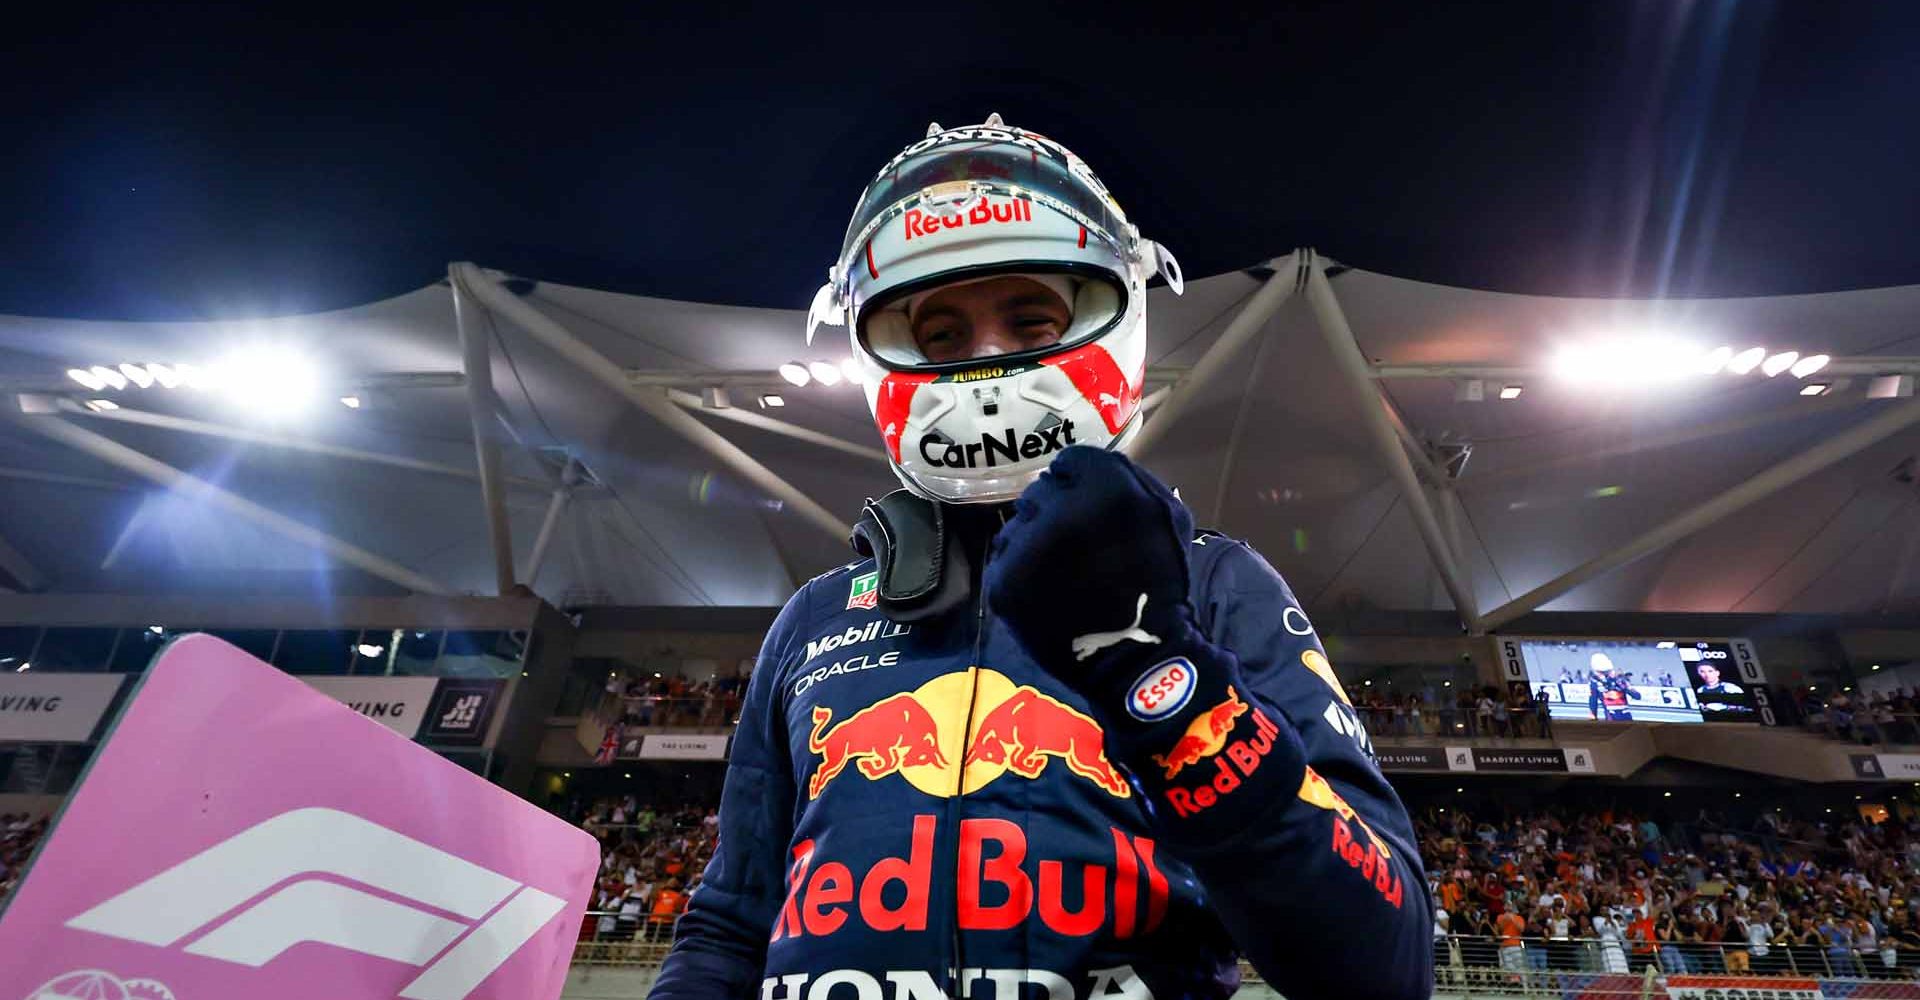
(795, 373)
(109, 377)
(167, 377)
(772, 400)
(1815, 389)
(1628, 362)
(87, 379)
(369, 650)
(1808, 365)
(136, 374)
(273, 380)
(1747, 360)
(1779, 363)
(1716, 360)
(824, 372)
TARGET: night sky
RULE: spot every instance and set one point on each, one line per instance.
(223, 162)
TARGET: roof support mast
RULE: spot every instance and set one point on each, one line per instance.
(651, 401)
(1854, 439)
(1266, 301)
(1387, 441)
(476, 357)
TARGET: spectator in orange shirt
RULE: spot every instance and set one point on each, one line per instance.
(1510, 927)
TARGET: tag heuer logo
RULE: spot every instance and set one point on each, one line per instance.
(865, 592)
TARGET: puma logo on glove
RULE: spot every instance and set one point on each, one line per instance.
(1093, 642)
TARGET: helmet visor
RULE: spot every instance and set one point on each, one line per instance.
(951, 178)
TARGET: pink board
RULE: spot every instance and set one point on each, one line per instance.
(242, 835)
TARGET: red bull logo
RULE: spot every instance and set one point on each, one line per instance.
(1371, 859)
(883, 737)
(984, 212)
(918, 735)
(1205, 736)
(998, 888)
(1246, 754)
(1028, 728)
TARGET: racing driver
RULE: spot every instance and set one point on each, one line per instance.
(1045, 740)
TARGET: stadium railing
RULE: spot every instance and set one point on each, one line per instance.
(1479, 965)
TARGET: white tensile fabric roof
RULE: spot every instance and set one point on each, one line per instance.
(1556, 477)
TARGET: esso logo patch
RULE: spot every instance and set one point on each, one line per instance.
(1162, 691)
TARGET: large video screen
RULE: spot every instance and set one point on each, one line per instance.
(1612, 680)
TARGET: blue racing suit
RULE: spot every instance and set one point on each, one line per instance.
(920, 811)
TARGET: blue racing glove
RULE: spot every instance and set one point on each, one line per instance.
(1091, 575)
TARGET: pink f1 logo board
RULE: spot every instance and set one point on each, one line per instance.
(242, 835)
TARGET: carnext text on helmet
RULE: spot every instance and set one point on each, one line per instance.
(940, 453)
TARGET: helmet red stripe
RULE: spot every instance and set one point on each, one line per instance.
(892, 404)
(876, 271)
(1098, 378)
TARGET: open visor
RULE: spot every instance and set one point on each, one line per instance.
(974, 208)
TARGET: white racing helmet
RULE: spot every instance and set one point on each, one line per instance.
(973, 203)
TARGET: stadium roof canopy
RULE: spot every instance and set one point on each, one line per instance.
(1277, 428)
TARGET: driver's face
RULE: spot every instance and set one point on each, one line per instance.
(988, 318)
(1709, 674)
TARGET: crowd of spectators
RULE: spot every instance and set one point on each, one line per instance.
(673, 701)
(1612, 891)
(20, 833)
(1474, 712)
(1865, 718)
(651, 859)
(630, 705)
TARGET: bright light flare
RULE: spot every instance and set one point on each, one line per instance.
(369, 650)
(1808, 365)
(350, 402)
(1779, 363)
(824, 372)
(1815, 389)
(109, 377)
(1716, 360)
(1628, 363)
(772, 400)
(87, 379)
(795, 373)
(850, 370)
(167, 377)
(1747, 360)
(268, 380)
(102, 405)
(137, 375)
(1512, 392)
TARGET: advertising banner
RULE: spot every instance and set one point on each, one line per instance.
(398, 703)
(1742, 988)
(656, 747)
(288, 847)
(1490, 759)
(54, 708)
(1411, 758)
(461, 712)
(1886, 766)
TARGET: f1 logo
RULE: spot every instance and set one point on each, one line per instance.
(306, 853)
